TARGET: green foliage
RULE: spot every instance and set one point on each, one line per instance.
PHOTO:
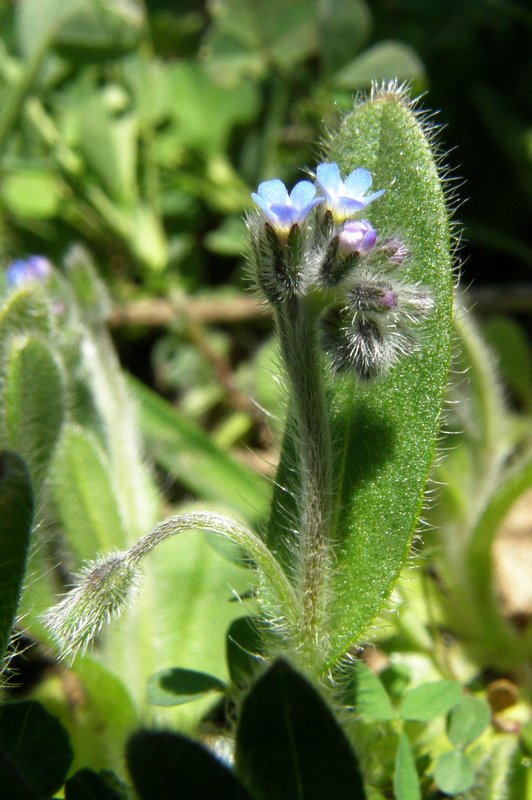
(244, 648)
(35, 753)
(430, 700)
(188, 454)
(405, 779)
(171, 687)
(16, 517)
(468, 720)
(88, 785)
(161, 763)
(454, 773)
(33, 400)
(308, 755)
(85, 496)
(371, 698)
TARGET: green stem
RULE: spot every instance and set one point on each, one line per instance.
(270, 569)
(296, 322)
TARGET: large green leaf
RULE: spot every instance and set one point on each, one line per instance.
(16, 513)
(85, 495)
(35, 753)
(167, 766)
(289, 744)
(383, 433)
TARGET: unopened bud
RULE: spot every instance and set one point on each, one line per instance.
(101, 594)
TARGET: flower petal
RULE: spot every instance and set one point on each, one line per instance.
(273, 191)
(285, 215)
(358, 182)
(302, 193)
(371, 197)
(348, 205)
(329, 178)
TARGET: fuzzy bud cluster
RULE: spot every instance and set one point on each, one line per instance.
(316, 241)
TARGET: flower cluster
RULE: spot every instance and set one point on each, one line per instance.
(315, 240)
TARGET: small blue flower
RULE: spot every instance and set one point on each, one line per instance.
(345, 198)
(284, 210)
(26, 270)
(357, 236)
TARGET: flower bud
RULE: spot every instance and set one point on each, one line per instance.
(101, 593)
(357, 236)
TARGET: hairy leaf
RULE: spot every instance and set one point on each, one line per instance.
(34, 398)
(16, 513)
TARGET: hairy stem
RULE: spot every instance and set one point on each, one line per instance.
(296, 322)
(270, 570)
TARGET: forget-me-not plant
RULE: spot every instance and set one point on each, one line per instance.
(360, 287)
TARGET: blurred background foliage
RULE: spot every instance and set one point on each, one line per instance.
(139, 129)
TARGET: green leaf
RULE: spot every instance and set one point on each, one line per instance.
(101, 29)
(453, 773)
(16, 515)
(249, 35)
(383, 61)
(99, 734)
(371, 699)
(344, 26)
(85, 496)
(37, 25)
(89, 785)
(172, 687)
(109, 144)
(468, 720)
(430, 700)
(32, 193)
(35, 753)
(34, 403)
(81, 29)
(183, 449)
(383, 434)
(202, 99)
(289, 744)
(25, 310)
(405, 779)
(510, 343)
(167, 766)
(244, 647)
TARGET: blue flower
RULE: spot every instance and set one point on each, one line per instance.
(284, 210)
(345, 198)
(357, 236)
(25, 270)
